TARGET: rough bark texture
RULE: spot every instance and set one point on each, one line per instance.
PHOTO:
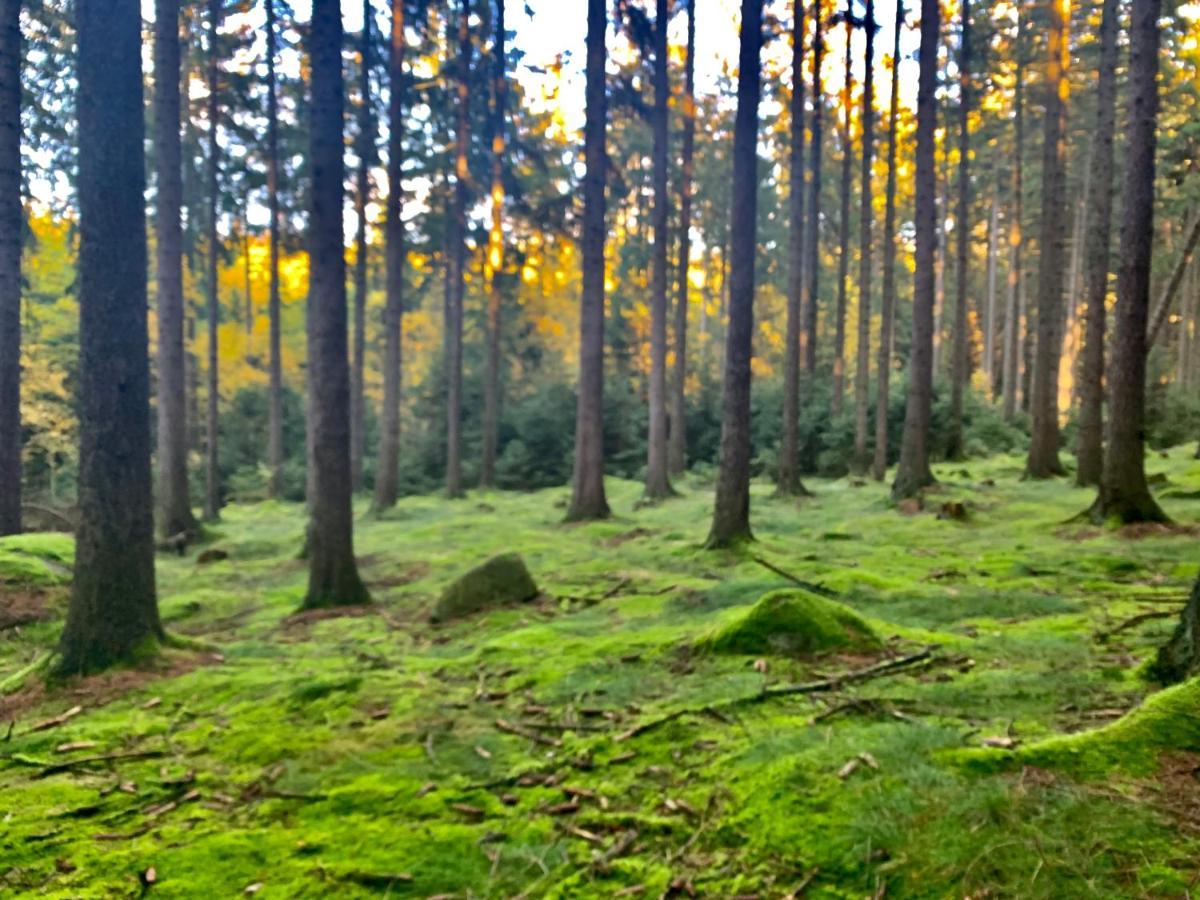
(1014, 306)
(1043, 461)
(275, 362)
(808, 338)
(587, 483)
(212, 473)
(677, 439)
(888, 307)
(789, 447)
(731, 513)
(456, 260)
(333, 578)
(913, 472)
(362, 193)
(10, 266)
(960, 373)
(1124, 494)
(990, 380)
(1179, 658)
(495, 260)
(1089, 446)
(1163, 306)
(862, 368)
(113, 614)
(839, 325)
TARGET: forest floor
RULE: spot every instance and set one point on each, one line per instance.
(583, 744)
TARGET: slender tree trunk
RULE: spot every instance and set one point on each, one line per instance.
(1043, 461)
(1163, 306)
(587, 492)
(333, 578)
(248, 310)
(275, 364)
(731, 513)
(789, 449)
(879, 468)
(913, 472)
(495, 261)
(1014, 309)
(677, 439)
(113, 614)
(1124, 495)
(862, 370)
(1089, 446)
(990, 380)
(839, 327)
(456, 261)
(11, 223)
(961, 364)
(366, 154)
(942, 204)
(808, 339)
(212, 481)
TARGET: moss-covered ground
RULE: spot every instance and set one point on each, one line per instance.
(583, 745)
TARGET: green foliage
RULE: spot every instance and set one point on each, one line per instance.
(791, 623)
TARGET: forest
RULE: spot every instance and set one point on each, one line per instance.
(600, 448)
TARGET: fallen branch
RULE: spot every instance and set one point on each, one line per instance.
(99, 758)
(520, 731)
(1137, 620)
(47, 724)
(812, 587)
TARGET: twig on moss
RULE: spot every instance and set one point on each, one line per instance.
(811, 586)
(1135, 621)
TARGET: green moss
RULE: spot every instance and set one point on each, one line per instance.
(500, 581)
(790, 623)
(40, 559)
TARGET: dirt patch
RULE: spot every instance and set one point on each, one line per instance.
(1178, 787)
(24, 606)
(626, 537)
(1139, 530)
(415, 572)
(298, 624)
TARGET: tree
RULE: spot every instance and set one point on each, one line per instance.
(731, 513)
(1043, 461)
(808, 340)
(839, 327)
(862, 371)
(275, 363)
(1090, 439)
(333, 578)
(677, 439)
(789, 448)
(888, 303)
(11, 224)
(365, 149)
(212, 480)
(1124, 495)
(113, 613)
(587, 482)
(456, 251)
(495, 260)
(961, 362)
(1014, 305)
(913, 472)
(387, 466)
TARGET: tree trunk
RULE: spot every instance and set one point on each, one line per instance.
(731, 513)
(1043, 461)
(1163, 306)
(456, 261)
(960, 373)
(113, 614)
(913, 472)
(839, 327)
(1179, 658)
(942, 205)
(990, 380)
(1089, 447)
(677, 440)
(495, 261)
(587, 492)
(333, 578)
(789, 448)
(366, 153)
(275, 364)
(11, 224)
(212, 480)
(808, 339)
(887, 312)
(862, 370)
(1014, 312)
(1124, 494)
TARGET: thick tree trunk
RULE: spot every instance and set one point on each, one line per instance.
(275, 363)
(888, 307)
(113, 614)
(808, 339)
(1124, 494)
(366, 154)
(1179, 658)
(789, 448)
(1014, 307)
(839, 324)
(495, 261)
(1043, 461)
(913, 472)
(731, 513)
(456, 252)
(11, 222)
(677, 440)
(960, 372)
(333, 578)
(862, 369)
(1089, 446)
(212, 475)
(587, 491)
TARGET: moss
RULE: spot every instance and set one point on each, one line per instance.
(500, 581)
(790, 623)
(40, 559)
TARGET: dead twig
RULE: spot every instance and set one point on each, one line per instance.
(811, 586)
(521, 731)
(1135, 621)
(99, 758)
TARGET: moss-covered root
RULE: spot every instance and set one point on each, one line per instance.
(789, 623)
(17, 679)
(174, 641)
(1169, 720)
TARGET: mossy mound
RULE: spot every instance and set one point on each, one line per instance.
(791, 623)
(500, 581)
(38, 559)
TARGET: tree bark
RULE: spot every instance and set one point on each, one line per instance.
(587, 491)
(961, 374)
(913, 472)
(1163, 306)
(808, 338)
(731, 513)
(456, 251)
(366, 152)
(839, 327)
(1043, 461)
(1089, 443)
(212, 479)
(333, 578)
(113, 614)
(1014, 312)
(1179, 658)
(990, 379)
(275, 363)
(862, 369)
(495, 260)
(677, 439)
(887, 310)
(1124, 494)
(11, 224)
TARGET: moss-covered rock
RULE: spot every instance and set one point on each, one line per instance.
(501, 580)
(791, 623)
